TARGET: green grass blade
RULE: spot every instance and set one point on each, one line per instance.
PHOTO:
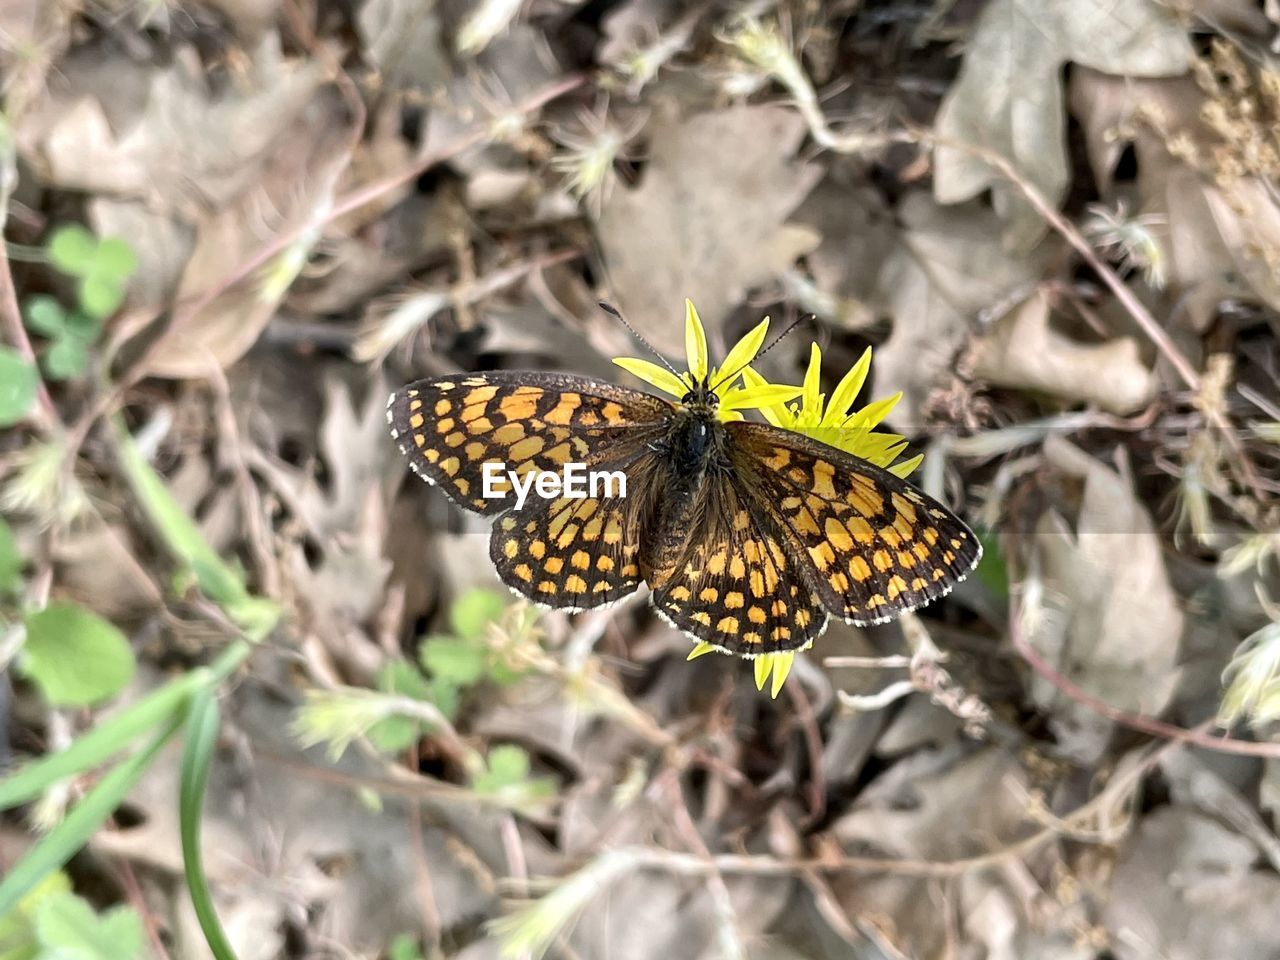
(100, 743)
(222, 584)
(58, 846)
(197, 759)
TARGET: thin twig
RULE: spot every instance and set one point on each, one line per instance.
(730, 939)
(1134, 721)
(1068, 231)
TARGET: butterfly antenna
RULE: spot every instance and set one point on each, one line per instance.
(728, 378)
(614, 312)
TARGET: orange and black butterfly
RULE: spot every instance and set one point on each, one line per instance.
(748, 535)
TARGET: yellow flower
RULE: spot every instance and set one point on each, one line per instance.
(723, 380)
(839, 425)
(801, 409)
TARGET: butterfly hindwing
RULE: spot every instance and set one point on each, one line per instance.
(450, 427)
(722, 574)
(877, 546)
(579, 553)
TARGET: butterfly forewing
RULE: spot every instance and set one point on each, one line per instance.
(449, 428)
(877, 546)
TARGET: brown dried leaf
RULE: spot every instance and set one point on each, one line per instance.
(1023, 351)
(1113, 623)
(707, 221)
(1186, 888)
(947, 266)
(1009, 95)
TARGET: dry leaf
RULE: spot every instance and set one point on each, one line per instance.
(1009, 95)
(1202, 272)
(1185, 888)
(706, 221)
(1113, 624)
(1022, 350)
(947, 266)
(403, 38)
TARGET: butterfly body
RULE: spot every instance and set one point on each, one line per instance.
(749, 536)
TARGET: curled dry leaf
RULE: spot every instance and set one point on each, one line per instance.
(1119, 112)
(1112, 623)
(403, 37)
(1023, 351)
(1009, 96)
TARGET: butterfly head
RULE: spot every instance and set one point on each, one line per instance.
(701, 398)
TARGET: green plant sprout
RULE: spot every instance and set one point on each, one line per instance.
(19, 383)
(102, 267)
(70, 334)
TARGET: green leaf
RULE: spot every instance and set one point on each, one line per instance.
(461, 662)
(68, 929)
(83, 327)
(73, 249)
(18, 384)
(396, 733)
(993, 572)
(10, 564)
(61, 843)
(508, 763)
(197, 759)
(445, 695)
(100, 294)
(102, 741)
(75, 657)
(17, 928)
(404, 947)
(67, 358)
(503, 674)
(45, 315)
(506, 779)
(116, 259)
(473, 611)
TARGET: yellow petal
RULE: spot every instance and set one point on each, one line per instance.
(745, 350)
(905, 468)
(766, 395)
(699, 650)
(847, 390)
(777, 414)
(781, 667)
(695, 342)
(812, 402)
(873, 413)
(652, 373)
(763, 664)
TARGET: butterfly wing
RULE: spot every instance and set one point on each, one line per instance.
(876, 546)
(721, 573)
(451, 427)
(579, 553)
(566, 552)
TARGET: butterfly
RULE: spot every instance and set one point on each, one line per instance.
(750, 537)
